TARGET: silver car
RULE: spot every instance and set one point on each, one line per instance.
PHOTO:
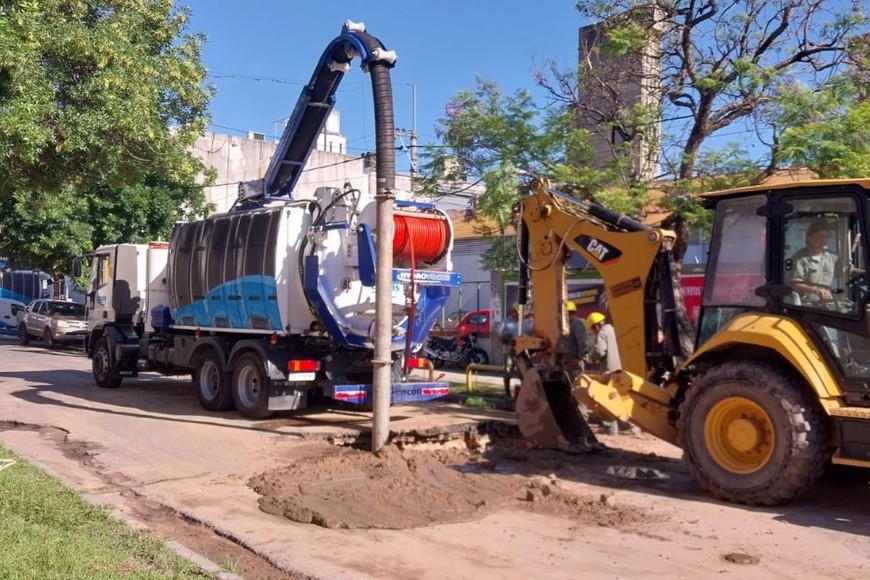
(54, 321)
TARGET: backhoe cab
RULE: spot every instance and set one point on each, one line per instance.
(779, 382)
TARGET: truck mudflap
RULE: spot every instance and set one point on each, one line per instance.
(400, 392)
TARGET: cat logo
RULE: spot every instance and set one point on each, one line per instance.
(597, 249)
(600, 250)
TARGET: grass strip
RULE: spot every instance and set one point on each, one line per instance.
(48, 531)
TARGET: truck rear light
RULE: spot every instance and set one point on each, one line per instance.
(302, 366)
(417, 363)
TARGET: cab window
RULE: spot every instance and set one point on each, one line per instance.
(824, 264)
(737, 264)
(103, 272)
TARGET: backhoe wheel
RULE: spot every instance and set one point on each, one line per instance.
(751, 435)
(212, 383)
(23, 337)
(101, 365)
(48, 339)
(250, 390)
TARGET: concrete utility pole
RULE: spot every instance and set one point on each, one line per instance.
(413, 148)
(412, 133)
(384, 200)
(383, 325)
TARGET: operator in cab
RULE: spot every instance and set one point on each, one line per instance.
(814, 266)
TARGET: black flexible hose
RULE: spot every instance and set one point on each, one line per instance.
(523, 284)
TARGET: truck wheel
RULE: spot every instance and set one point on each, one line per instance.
(750, 434)
(48, 339)
(101, 365)
(23, 337)
(212, 383)
(250, 390)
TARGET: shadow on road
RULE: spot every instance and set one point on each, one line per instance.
(166, 399)
(63, 350)
(830, 505)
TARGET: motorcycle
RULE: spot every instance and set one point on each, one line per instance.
(461, 351)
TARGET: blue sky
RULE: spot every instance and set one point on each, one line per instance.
(442, 47)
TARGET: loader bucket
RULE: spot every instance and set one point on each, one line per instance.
(549, 416)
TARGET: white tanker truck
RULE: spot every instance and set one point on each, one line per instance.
(274, 300)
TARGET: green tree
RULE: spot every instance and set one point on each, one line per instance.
(99, 103)
(717, 64)
(826, 129)
(490, 138)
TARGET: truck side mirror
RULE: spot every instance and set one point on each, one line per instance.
(77, 267)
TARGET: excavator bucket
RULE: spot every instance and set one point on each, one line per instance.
(549, 416)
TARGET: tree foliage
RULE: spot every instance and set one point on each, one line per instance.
(99, 102)
(826, 130)
(714, 65)
(492, 138)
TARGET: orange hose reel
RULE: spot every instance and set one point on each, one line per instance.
(425, 237)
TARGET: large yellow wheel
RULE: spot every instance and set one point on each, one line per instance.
(739, 435)
(751, 434)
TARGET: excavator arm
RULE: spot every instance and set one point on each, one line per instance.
(634, 262)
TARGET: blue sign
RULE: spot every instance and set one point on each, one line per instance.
(427, 277)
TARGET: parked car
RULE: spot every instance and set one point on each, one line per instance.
(54, 321)
(461, 323)
(479, 321)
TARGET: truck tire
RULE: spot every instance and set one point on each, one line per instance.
(750, 434)
(212, 383)
(250, 389)
(48, 339)
(23, 337)
(101, 365)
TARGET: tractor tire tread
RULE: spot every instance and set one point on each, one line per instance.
(808, 438)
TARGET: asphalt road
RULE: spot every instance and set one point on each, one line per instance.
(149, 449)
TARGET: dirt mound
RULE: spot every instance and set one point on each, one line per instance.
(400, 489)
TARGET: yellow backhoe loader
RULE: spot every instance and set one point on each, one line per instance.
(778, 385)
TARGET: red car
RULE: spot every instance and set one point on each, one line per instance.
(476, 320)
(479, 320)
